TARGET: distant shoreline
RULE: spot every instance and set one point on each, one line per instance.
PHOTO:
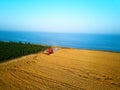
(66, 47)
(98, 50)
(81, 48)
(105, 42)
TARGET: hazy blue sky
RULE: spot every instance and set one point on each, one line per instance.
(85, 16)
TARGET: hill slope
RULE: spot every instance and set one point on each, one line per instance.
(67, 69)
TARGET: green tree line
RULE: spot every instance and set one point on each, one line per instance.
(10, 50)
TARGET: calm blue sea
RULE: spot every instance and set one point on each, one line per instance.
(110, 42)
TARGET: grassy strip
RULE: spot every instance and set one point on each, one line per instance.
(10, 50)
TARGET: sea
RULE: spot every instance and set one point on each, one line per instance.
(107, 42)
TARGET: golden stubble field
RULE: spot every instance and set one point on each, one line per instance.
(66, 69)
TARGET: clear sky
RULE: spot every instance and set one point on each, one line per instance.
(84, 16)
